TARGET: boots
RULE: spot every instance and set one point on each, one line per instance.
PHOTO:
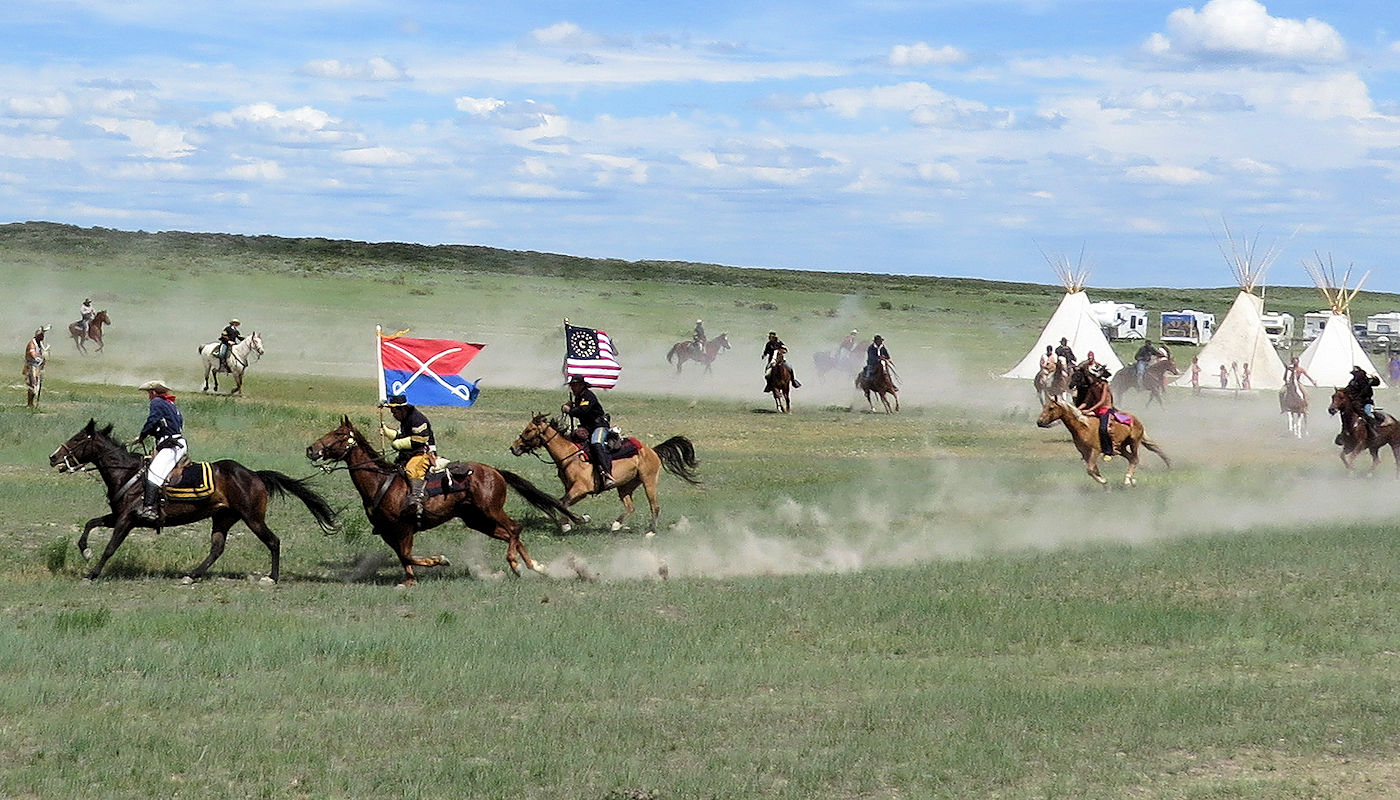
(147, 510)
(416, 489)
(603, 464)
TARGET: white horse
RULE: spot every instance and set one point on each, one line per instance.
(238, 361)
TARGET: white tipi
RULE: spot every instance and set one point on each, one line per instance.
(1240, 338)
(1073, 321)
(1331, 356)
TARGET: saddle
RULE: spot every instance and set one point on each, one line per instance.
(618, 448)
(450, 480)
(190, 480)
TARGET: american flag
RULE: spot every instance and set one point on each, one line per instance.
(590, 353)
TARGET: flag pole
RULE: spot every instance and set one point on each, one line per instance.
(379, 359)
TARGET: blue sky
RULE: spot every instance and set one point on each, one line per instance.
(956, 138)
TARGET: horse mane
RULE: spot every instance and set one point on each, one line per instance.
(103, 437)
(363, 441)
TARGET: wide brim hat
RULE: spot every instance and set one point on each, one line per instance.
(154, 386)
(395, 401)
(573, 379)
(878, 339)
(234, 322)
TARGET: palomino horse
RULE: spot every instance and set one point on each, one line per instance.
(1154, 379)
(1084, 430)
(94, 331)
(1052, 383)
(1293, 401)
(384, 490)
(780, 383)
(676, 454)
(681, 351)
(238, 494)
(238, 361)
(881, 382)
(1355, 438)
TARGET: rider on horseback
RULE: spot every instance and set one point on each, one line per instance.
(771, 350)
(1361, 393)
(1065, 352)
(876, 358)
(166, 424)
(698, 338)
(85, 314)
(583, 405)
(416, 445)
(230, 337)
(1097, 400)
(1146, 355)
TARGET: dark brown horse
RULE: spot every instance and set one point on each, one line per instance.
(1084, 430)
(680, 352)
(94, 331)
(881, 382)
(239, 494)
(384, 491)
(1154, 379)
(676, 455)
(1356, 438)
(780, 384)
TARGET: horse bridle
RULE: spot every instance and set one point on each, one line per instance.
(540, 440)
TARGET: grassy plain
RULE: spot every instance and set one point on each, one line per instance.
(936, 604)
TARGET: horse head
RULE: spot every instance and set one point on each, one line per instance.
(335, 445)
(255, 341)
(533, 436)
(84, 447)
(1053, 412)
(102, 317)
(1341, 401)
(723, 341)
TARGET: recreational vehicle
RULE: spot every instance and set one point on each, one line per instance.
(1279, 329)
(1120, 320)
(1313, 323)
(1187, 327)
(1384, 331)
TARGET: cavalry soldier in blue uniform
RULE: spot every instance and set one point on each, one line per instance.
(230, 337)
(583, 405)
(876, 357)
(771, 349)
(166, 425)
(416, 446)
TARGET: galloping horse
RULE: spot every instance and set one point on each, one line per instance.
(881, 382)
(681, 351)
(384, 490)
(841, 358)
(1085, 432)
(676, 454)
(1294, 402)
(238, 494)
(1052, 383)
(238, 362)
(1354, 437)
(780, 381)
(94, 331)
(1154, 379)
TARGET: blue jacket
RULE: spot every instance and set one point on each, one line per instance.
(164, 422)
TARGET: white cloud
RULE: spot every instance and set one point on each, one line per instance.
(479, 106)
(1168, 174)
(939, 172)
(375, 69)
(376, 157)
(152, 140)
(257, 169)
(1338, 95)
(52, 106)
(922, 54)
(297, 125)
(41, 147)
(1243, 30)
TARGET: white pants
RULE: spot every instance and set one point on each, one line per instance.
(164, 461)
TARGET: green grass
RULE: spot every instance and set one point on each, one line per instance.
(934, 604)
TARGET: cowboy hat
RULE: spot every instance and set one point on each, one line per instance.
(234, 321)
(573, 379)
(395, 401)
(154, 386)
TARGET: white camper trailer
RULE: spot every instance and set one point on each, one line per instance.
(1187, 327)
(1120, 320)
(1279, 329)
(1313, 323)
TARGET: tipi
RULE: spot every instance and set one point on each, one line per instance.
(1331, 356)
(1240, 338)
(1073, 320)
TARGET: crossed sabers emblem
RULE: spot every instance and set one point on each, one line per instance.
(425, 368)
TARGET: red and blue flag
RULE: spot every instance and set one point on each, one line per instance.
(427, 371)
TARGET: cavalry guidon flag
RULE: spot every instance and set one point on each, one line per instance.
(426, 371)
(590, 353)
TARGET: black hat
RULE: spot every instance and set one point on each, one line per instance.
(879, 338)
(573, 379)
(395, 401)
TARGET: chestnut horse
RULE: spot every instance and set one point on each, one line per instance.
(681, 351)
(384, 491)
(780, 384)
(1154, 379)
(676, 454)
(1084, 429)
(1355, 438)
(239, 494)
(94, 331)
(881, 382)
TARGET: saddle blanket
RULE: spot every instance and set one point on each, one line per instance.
(449, 481)
(194, 482)
(1121, 418)
(626, 448)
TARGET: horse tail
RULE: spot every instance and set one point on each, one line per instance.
(1151, 445)
(537, 497)
(280, 484)
(672, 352)
(677, 455)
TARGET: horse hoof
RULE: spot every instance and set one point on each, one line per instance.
(87, 553)
(186, 580)
(443, 562)
(649, 534)
(617, 525)
(566, 527)
(586, 518)
(267, 580)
